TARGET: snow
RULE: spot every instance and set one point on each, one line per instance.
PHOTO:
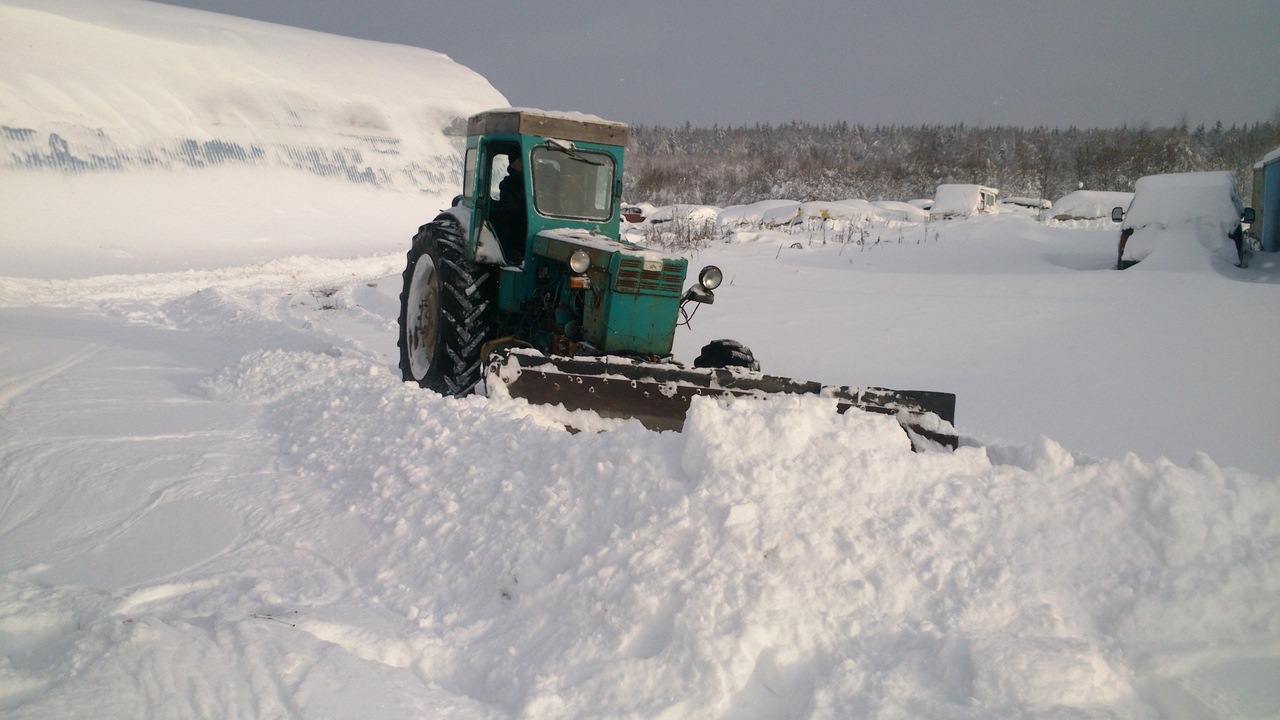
(963, 200)
(900, 211)
(1090, 204)
(758, 214)
(81, 88)
(1181, 219)
(696, 214)
(217, 498)
(1034, 203)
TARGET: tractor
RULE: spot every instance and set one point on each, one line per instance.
(527, 282)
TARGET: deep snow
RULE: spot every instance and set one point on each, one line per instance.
(217, 499)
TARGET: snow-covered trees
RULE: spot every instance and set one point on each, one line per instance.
(799, 161)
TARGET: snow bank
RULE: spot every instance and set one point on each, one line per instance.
(109, 85)
(224, 127)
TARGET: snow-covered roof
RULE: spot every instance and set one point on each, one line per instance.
(561, 125)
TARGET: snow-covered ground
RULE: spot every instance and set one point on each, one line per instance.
(217, 499)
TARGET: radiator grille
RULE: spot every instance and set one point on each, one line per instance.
(634, 279)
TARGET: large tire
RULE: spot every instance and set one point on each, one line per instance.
(444, 311)
(726, 353)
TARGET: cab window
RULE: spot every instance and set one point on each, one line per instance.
(573, 184)
(469, 167)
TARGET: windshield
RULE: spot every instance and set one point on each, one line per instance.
(572, 183)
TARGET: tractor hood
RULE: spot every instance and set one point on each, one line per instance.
(635, 294)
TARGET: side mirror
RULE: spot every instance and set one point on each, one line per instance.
(1117, 214)
(1248, 216)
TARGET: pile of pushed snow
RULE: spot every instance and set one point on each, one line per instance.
(1090, 204)
(465, 558)
(110, 85)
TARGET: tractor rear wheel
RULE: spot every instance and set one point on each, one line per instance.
(444, 311)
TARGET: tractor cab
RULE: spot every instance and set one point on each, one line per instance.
(541, 207)
(528, 171)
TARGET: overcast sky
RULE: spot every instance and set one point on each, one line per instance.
(1088, 63)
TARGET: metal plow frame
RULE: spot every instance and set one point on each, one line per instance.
(659, 394)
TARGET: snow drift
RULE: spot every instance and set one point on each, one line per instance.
(119, 84)
(219, 122)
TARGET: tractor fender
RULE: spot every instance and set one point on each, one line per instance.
(488, 250)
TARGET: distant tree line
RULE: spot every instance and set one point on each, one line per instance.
(725, 166)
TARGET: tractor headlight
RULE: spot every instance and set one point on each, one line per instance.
(579, 261)
(710, 277)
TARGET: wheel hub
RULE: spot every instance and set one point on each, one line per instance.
(423, 317)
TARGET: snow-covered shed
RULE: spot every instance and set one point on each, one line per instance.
(964, 200)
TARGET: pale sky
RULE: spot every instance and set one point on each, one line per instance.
(1088, 63)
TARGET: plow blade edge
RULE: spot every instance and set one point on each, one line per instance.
(659, 394)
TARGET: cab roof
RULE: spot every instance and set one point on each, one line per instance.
(577, 127)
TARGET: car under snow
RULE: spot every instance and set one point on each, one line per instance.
(1182, 217)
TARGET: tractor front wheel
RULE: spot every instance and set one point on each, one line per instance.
(444, 311)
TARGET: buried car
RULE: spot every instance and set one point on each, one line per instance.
(1181, 216)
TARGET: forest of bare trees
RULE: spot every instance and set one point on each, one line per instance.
(734, 165)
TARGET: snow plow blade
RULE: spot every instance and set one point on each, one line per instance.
(659, 394)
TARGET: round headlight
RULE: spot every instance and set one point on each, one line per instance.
(579, 261)
(710, 277)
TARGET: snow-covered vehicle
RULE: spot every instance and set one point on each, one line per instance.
(1089, 204)
(964, 200)
(1182, 215)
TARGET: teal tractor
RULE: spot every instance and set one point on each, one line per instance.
(527, 283)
